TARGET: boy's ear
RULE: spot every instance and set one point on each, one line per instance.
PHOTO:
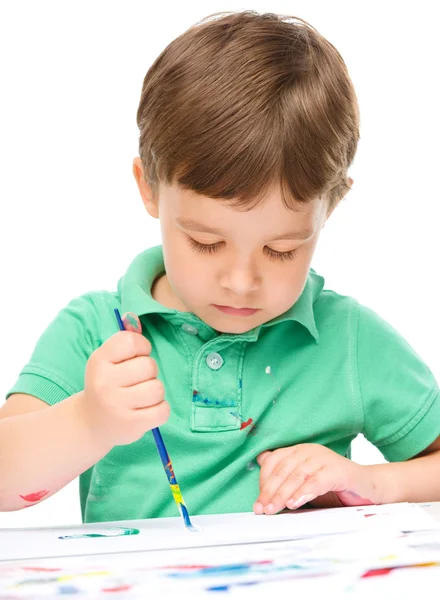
(145, 189)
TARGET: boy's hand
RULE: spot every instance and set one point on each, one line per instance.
(291, 477)
(122, 396)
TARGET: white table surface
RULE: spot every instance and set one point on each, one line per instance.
(432, 508)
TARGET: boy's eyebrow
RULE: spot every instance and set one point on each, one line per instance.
(298, 234)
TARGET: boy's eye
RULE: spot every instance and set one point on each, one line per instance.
(211, 248)
(275, 255)
(204, 248)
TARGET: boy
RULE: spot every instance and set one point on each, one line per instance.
(248, 125)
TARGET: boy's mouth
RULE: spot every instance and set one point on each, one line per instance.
(238, 312)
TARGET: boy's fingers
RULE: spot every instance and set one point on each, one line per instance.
(278, 474)
(146, 394)
(293, 482)
(319, 484)
(262, 457)
(124, 345)
(131, 322)
(135, 371)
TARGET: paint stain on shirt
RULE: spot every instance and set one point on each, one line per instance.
(199, 399)
(246, 423)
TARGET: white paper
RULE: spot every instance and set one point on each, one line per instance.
(328, 566)
(214, 530)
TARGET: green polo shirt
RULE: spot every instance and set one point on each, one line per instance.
(323, 372)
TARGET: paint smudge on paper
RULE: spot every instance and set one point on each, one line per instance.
(68, 590)
(41, 569)
(118, 588)
(36, 496)
(110, 532)
(387, 570)
(260, 567)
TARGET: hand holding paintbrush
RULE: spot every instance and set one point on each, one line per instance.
(166, 461)
(122, 396)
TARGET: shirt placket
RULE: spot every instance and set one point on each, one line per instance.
(216, 381)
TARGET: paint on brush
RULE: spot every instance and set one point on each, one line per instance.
(170, 471)
(110, 532)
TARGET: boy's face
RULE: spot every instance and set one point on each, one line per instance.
(234, 269)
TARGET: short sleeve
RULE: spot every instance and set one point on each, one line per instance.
(56, 368)
(400, 395)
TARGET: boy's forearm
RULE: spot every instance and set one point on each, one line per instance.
(42, 451)
(415, 480)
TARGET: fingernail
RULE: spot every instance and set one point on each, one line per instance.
(258, 508)
(269, 508)
(302, 500)
(132, 322)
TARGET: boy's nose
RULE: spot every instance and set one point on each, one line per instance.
(240, 281)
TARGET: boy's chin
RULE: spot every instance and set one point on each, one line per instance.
(229, 326)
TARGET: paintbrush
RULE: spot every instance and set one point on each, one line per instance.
(166, 461)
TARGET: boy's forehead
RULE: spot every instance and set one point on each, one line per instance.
(271, 217)
(273, 197)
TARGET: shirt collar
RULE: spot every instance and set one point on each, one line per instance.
(134, 290)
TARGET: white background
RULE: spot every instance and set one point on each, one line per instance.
(71, 216)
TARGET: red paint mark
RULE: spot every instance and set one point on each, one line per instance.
(387, 570)
(36, 496)
(246, 424)
(41, 569)
(370, 515)
(169, 470)
(119, 588)
(377, 572)
(195, 393)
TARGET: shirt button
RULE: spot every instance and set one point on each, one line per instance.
(214, 361)
(190, 329)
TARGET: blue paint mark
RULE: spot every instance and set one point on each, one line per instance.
(240, 384)
(227, 588)
(199, 399)
(236, 570)
(68, 589)
(111, 532)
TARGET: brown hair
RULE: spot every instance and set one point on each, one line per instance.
(242, 101)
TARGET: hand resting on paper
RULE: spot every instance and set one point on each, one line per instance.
(291, 477)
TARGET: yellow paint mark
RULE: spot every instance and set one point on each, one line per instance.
(177, 494)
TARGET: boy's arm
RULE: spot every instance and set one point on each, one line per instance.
(42, 448)
(415, 480)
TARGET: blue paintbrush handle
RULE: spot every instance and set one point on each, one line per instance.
(164, 457)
